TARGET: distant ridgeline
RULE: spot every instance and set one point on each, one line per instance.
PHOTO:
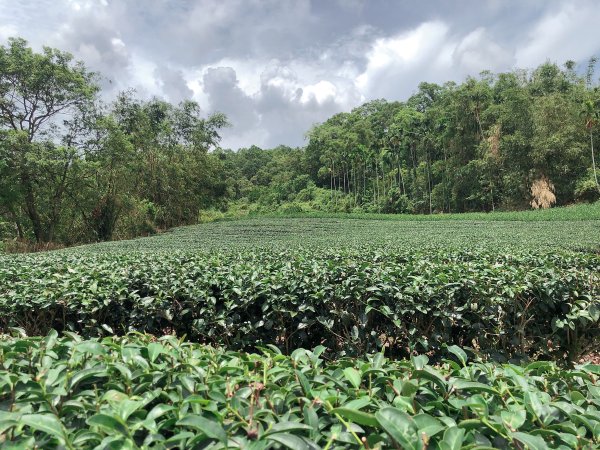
(75, 170)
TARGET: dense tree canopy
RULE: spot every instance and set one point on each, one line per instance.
(499, 141)
(74, 169)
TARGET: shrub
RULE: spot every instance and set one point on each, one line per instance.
(143, 392)
(514, 305)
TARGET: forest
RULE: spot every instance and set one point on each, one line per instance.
(77, 168)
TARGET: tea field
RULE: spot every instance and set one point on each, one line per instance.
(451, 333)
(335, 232)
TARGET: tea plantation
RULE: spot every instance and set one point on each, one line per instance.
(471, 332)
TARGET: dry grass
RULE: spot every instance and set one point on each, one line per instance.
(590, 358)
(542, 193)
(19, 246)
(494, 140)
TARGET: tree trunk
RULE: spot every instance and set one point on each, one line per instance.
(593, 159)
(31, 209)
(364, 181)
(17, 222)
(429, 182)
(331, 180)
(376, 183)
(446, 199)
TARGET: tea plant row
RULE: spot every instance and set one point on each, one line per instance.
(141, 392)
(340, 232)
(523, 304)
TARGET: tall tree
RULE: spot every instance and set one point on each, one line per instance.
(36, 89)
(591, 115)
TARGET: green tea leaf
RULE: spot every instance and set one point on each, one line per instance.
(459, 353)
(532, 442)
(453, 439)
(287, 426)
(109, 423)
(428, 424)
(159, 410)
(401, 427)
(154, 349)
(353, 376)
(211, 428)
(356, 416)
(45, 423)
(93, 348)
(290, 441)
(513, 419)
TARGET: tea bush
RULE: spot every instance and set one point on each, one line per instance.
(139, 392)
(522, 304)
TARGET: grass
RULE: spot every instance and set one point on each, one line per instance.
(574, 212)
(584, 211)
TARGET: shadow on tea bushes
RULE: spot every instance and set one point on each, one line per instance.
(518, 305)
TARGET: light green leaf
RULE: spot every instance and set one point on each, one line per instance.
(109, 423)
(45, 423)
(93, 348)
(50, 339)
(453, 439)
(289, 440)
(473, 386)
(159, 410)
(404, 403)
(513, 419)
(353, 376)
(356, 416)
(86, 374)
(304, 383)
(280, 427)
(534, 404)
(419, 361)
(459, 353)
(154, 349)
(532, 442)
(128, 407)
(114, 396)
(428, 424)
(358, 403)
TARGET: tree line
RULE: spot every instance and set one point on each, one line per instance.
(75, 169)
(502, 141)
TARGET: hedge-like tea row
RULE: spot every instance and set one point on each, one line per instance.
(352, 302)
(139, 392)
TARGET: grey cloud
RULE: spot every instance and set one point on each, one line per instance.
(173, 84)
(277, 113)
(91, 33)
(205, 31)
(478, 51)
(224, 94)
(275, 67)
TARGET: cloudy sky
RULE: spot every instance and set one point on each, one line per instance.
(276, 67)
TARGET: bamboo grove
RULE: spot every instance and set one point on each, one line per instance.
(500, 141)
